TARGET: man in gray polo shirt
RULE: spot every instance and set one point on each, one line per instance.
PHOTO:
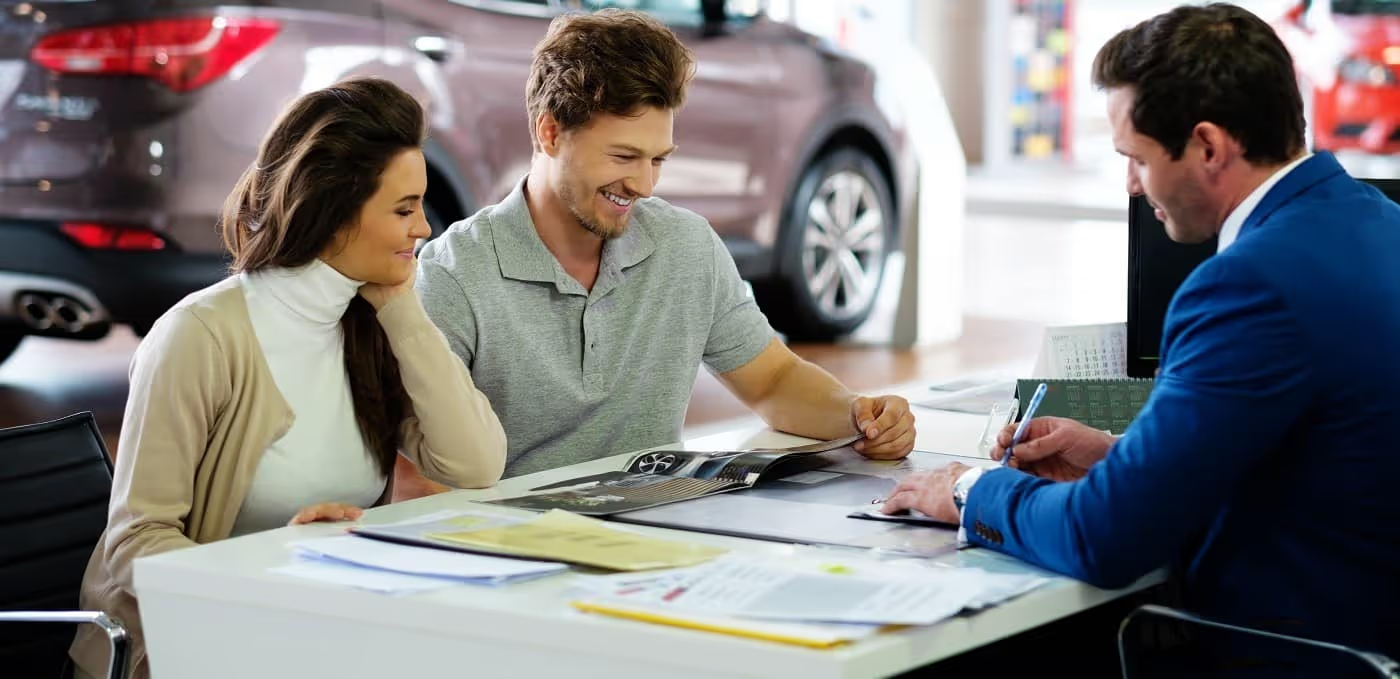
(584, 307)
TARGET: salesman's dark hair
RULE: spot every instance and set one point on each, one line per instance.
(1217, 64)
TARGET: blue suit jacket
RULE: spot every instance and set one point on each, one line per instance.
(1266, 465)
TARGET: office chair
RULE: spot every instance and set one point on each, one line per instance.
(55, 482)
(1383, 666)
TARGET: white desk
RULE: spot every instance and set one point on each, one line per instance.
(215, 612)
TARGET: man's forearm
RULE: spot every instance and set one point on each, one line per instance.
(808, 401)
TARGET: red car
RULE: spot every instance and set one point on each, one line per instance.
(1347, 54)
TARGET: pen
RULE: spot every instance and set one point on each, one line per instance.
(1025, 422)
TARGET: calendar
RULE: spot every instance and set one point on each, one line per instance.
(1084, 352)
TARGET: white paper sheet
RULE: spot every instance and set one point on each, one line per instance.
(849, 592)
(346, 575)
(411, 560)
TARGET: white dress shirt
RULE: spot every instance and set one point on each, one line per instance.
(322, 458)
(1230, 230)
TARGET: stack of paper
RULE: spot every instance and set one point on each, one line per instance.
(857, 596)
(382, 582)
(809, 634)
(397, 569)
(640, 596)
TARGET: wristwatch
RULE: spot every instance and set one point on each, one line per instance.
(963, 486)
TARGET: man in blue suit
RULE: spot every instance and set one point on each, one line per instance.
(1265, 469)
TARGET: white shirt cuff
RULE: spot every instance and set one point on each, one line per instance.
(963, 488)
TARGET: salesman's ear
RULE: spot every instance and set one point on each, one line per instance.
(547, 133)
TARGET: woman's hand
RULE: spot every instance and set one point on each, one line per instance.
(380, 295)
(327, 511)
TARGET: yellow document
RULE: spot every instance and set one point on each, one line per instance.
(811, 635)
(564, 536)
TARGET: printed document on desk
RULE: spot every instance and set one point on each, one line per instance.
(854, 591)
(561, 536)
(641, 597)
(556, 536)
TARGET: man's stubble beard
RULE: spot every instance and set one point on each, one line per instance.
(570, 199)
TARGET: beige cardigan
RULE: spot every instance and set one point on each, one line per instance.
(202, 409)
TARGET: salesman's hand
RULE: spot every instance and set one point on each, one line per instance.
(929, 491)
(887, 425)
(327, 511)
(1055, 448)
(379, 295)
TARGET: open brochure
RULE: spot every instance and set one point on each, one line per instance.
(658, 477)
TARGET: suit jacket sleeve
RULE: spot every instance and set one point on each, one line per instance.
(1233, 383)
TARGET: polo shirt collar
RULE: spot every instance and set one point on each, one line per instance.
(519, 250)
(523, 256)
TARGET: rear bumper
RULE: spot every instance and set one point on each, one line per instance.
(132, 288)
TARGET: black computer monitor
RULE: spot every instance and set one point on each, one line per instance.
(1157, 266)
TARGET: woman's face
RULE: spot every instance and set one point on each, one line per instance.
(378, 247)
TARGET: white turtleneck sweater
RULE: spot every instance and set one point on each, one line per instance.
(322, 458)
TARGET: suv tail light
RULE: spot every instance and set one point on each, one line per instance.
(183, 53)
(108, 237)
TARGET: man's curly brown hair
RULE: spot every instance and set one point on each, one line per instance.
(612, 61)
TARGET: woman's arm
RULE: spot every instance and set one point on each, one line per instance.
(179, 377)
(451, 433)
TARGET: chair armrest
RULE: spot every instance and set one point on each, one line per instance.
(117, 637)
(1382, 665)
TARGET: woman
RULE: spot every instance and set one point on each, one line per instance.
(285, 392)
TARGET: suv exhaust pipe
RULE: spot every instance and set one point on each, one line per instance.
(51, 307)
(35, 311)
(49, 312)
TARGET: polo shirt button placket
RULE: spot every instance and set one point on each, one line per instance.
(590, 347)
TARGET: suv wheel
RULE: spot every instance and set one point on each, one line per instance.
(831, 256)
(9, 341)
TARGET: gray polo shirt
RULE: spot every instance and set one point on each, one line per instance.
(576, 375)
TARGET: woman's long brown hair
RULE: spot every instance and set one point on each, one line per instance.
(316, 169)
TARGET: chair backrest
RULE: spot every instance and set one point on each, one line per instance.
(55, 482)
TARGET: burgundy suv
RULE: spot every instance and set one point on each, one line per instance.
(124, 124)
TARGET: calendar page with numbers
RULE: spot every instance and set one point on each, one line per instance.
(1084, 352)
